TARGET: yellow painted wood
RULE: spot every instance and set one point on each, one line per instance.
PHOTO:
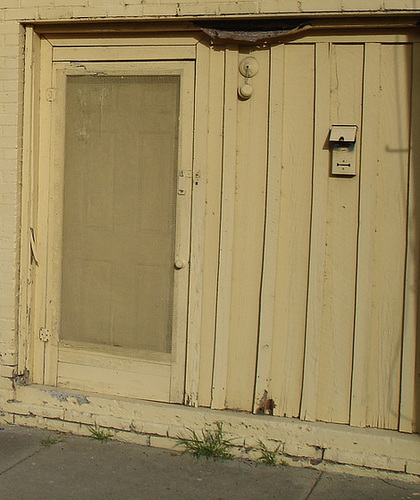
(359, 36)
(108, 374)
(336, 348)
(270, 271)
(198, 227)
(332, 345)
(41, 189)
(116, 28)
(183, 229)
(294, 229)
(28, 157)
(32, 192)
(308, 295)
(124, 53)
(410, 380)
(173, 389)
(284, 293)
(73, 349)
(382, 238)
(54, 236)
(124, 40)
(250, 191)
(210, 180)
(226, 231)
(318, 231)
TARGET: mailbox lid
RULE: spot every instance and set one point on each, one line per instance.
(343, 133)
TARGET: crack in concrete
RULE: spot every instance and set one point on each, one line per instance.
(392, 484)
(20, 461)
(314, 485)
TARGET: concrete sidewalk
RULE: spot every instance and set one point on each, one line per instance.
(31, 467)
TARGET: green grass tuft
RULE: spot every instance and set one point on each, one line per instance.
(99, 433)
(51, 440)
(268, 457)
(211, 444)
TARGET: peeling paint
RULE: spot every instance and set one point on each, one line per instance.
(266, 405)
(20, 378)
(64, 397)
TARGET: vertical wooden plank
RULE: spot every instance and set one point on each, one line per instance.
(284, 294)
(250, 187)
(368, 160)
(410, 376)
(335, 349)
(382, 238)
(210, 180)
(41, 190)
(183, 234)
(54, 221)
(26, 258)
(202, 76)
(318, 232)
(272, 231)
(295, 222)
(226, 235)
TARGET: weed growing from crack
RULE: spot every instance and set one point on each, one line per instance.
(51, 440)
(211, 444)
(99, 433)
(268, 457)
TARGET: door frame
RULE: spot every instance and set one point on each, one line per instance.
(39, 52)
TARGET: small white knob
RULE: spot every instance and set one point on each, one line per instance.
(179, 264)
(245, 91)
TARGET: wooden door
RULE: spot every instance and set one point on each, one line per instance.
(118, 218)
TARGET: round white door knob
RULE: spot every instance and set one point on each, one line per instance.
(179, 264)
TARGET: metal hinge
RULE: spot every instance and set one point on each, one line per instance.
(51, 94)
(44, 334)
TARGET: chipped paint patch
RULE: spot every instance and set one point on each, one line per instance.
(64, 397)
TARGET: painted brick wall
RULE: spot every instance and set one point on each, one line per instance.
(13, 12)
(11, 46)
(68, 9)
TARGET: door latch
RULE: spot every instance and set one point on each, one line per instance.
(182, 181)
(44, 334)
(51, 95)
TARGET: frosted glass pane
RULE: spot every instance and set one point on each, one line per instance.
(121, 148)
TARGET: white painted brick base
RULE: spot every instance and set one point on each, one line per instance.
(325, 446)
